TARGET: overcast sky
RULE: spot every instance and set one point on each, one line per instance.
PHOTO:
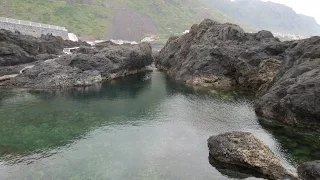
(306, 7)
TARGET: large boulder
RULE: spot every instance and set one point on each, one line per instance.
(86, 67)
(242, 149)
(294, 96)
(309, 170)
(222, 56)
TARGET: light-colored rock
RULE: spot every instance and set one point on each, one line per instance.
(244, 150)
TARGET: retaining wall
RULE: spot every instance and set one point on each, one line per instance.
(35, 29)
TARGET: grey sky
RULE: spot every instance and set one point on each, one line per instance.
(306, 7)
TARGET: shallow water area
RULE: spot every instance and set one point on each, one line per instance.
(144, 126)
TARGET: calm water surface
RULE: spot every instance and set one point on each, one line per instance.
(140, 127)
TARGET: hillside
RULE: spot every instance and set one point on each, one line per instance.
(99, 19)
(267, 15)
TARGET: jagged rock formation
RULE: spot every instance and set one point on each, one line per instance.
(86, 67)
(16, 48)
(244, 150)
(222, 56)
(46, 70)
(293, 97)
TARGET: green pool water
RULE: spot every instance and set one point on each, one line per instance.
(141, 127)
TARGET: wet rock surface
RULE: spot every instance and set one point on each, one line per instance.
(86, 67)
(243, 150)
(309, 170)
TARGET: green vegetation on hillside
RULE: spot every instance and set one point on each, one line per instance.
(80, 19)
(91, 18)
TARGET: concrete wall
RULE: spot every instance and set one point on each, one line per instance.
(33, 30)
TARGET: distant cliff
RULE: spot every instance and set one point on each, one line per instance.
(267, 15)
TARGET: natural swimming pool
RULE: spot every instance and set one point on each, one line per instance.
(144, 126)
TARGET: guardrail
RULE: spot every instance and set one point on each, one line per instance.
(29, 23)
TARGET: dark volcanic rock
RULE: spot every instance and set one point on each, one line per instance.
(103, 44)
(16, 48)
(43, 57)
(244, 150)
(294, 96)
(11, 54)
(222, 56)
(86, 67)
(309, 170)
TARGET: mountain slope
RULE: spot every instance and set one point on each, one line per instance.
(267, 15)
(94, 18)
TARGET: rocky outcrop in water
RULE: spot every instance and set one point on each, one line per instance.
(285, 75)
(309, 170)
(222, 56)
(86, 67)
(242, 149)
(16, 48)
(294, 96)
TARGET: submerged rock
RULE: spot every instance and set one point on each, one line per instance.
(86, 67)
(309, 170)
(242, 149)
(294, 96)
(222, 56)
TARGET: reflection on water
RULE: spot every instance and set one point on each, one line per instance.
(140, 127)
(299, 146)
(232, 171)
(35, 121)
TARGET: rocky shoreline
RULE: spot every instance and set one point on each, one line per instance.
(39, 63)
(284, 75)
(293, 96)
(222, 56)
